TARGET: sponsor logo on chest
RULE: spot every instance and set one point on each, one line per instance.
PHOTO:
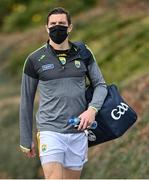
(47, 66)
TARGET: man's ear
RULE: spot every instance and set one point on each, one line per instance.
(70, 27)
(47, 29)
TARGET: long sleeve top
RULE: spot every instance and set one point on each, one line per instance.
(61, 81)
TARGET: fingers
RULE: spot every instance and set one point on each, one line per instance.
(84, 124)
(81, 124)
(29, 155)
(32, 152)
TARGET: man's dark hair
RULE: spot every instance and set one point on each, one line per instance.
(59, 10)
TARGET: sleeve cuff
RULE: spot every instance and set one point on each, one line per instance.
(94, 108)
(24, 149)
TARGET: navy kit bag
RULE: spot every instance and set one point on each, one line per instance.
(114, 118)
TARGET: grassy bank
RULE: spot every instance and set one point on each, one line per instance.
(119, 39)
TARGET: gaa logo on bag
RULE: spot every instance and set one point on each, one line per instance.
(119, 111)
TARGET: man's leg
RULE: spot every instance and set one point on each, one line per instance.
(53, 170)
(75, 156)
(71, 174)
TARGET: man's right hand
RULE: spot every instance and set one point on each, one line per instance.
(31, 153)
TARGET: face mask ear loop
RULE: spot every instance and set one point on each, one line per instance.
(67, 30)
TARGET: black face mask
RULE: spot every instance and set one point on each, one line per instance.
(58, 33)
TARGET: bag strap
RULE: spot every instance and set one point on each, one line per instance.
(85, 55)
(84, 52)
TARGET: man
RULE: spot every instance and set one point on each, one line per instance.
(60, 74)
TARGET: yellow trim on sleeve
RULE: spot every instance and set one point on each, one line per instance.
(94, 108)
(24, 149)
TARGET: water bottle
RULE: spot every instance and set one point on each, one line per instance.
(75, 122)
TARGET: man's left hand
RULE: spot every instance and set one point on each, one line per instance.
(87, 118)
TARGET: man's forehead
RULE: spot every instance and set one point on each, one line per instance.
(58, 17)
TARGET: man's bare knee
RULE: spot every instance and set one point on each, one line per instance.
(71, 174)
(53, 170)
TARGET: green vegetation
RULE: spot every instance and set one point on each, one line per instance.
(16, 15)
(117, 41)
(12, 161)
(119, 38)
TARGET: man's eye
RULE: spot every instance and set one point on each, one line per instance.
(53, 23)
(62, 23)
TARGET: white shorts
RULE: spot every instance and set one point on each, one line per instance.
(68, 149)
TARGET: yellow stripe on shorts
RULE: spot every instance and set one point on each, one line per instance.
(38, 142)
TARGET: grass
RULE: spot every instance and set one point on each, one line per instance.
(120, 44)
(116, 41)
(14, 163)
